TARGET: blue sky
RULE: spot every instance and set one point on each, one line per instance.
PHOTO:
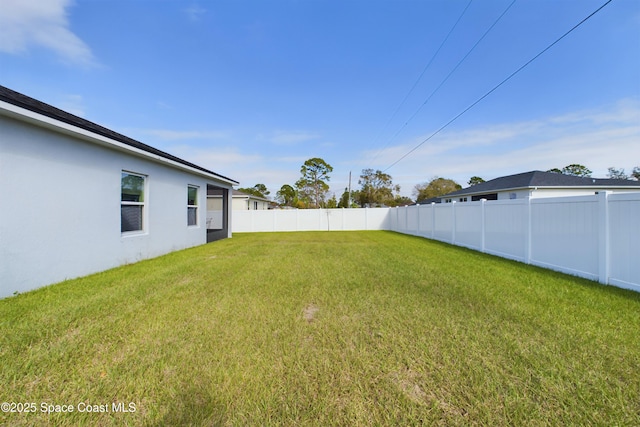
(251, 89)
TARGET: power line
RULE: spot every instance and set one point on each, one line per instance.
(464, 58)
(454, 68)
(497, 86)
(424, 70)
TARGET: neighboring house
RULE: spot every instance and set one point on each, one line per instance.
(537, 184)
(248, 202)
(240, 202)
(78, 198)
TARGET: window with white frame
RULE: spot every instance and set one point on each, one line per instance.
(192, 205)
(132, 202)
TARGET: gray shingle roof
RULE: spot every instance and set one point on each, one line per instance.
(540, 179)
(23, 101)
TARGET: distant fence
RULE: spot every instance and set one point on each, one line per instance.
(310, 220)
(596, 237)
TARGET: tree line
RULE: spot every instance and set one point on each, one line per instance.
(377, 189)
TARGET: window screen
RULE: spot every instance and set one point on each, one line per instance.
(192, 205)
(131, 202)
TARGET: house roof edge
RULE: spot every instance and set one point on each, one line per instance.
(23, 102)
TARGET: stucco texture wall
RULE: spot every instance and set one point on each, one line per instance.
(60, 215)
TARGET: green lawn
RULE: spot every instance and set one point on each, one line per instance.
(340, 328)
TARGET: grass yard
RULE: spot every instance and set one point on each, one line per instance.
(340, 328)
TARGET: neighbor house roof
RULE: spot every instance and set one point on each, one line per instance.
(25, 102)
(237, 193)
(539, 179)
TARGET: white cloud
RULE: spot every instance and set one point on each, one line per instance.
(242, 164)
(291, 137)
(214, 158)
(597, 139)
(247, 168)
(73, 104)
(27, 23)
(195, 12)
(298, 160)
(175, 135)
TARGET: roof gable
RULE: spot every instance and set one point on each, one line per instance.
(31, 104)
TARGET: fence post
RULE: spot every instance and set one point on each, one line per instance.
(417, 219)
(483, 228)
(366, 219)
(406, 219)
(397, 218)
(433, 220)
(453, 222)
(528, 235)
(603, 237)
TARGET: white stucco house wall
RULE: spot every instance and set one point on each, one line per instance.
(78, 198)
(537, 184)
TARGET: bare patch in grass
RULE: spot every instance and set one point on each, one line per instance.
(407, 383)
(309, 312)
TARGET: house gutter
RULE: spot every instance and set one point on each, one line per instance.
(22, 114)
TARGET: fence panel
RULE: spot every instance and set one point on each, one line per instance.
(241, 222)
(353, 219)
(393, 220)
(624, 232)
(401, 218)
(284, 220)
(565, 234)
(425, 218)
(310, 220)
(468, 225)
(376, 218)
(506, 228)
(443, 224)
(412, 218)
(335, 219)
(261, 220)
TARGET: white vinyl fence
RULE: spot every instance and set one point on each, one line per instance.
(595, 237)
(310, 220)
